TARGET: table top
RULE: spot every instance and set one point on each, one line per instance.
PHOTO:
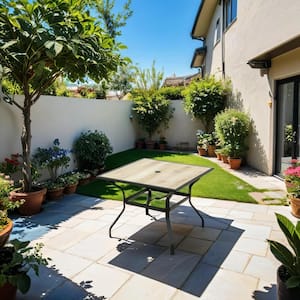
(156, 174)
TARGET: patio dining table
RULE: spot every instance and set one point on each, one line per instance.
(172, 181)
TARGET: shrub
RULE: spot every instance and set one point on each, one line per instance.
(232, 128)
(171, 92)
(152, 111)
(204, 98)
(91, 149)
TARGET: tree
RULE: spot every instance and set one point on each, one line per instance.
(111, 21)
(122, 80)
(41, 40)
(149, 79)
(204, 98)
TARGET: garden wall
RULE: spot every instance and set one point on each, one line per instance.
(65, 118)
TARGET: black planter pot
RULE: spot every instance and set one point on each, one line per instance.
(283, 293)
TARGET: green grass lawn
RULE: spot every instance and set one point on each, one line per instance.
(218, 184)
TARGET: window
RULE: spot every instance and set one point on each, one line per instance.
(230, 12)
(217, 32)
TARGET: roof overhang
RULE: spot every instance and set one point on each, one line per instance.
(203, 18)
(198, 57)
(263, 60)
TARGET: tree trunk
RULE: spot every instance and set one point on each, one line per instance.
(26, 145)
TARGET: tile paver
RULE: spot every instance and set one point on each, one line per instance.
(227, 259)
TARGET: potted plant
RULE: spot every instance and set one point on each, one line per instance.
(201, 142)
(83, 177)
(91, 149)
(70, 181)
(33, 64)
(140, 143)
(162, 143)
(232, 128)
(288, 274)
(16, 259)
(211, 144)
(6, 224)
(151, 111)
(292, 179)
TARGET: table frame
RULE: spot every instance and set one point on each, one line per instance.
(168, 207)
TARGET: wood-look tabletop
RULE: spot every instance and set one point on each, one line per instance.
(156, 174)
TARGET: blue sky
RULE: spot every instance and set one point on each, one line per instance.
(160, 30)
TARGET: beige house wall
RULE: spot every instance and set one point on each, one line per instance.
(260, 26)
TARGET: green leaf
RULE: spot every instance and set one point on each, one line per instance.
(23, 282)
(283, 254)
(54, 46)
(289, 231)
(293, 282)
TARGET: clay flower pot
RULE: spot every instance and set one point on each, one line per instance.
(33, 201)
(70, 189)
(234, 163)
(55, 194)
(5, 233)
(295, 206)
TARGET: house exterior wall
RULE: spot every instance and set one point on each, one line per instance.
(260, 26)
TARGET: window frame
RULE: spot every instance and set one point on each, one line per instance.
(229, 12)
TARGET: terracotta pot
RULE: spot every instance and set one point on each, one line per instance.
(283, 293)
(295, 206)
(219, 156)
(8, 292)
(162, 146)
(84, 181)
(55, 194)
(33, 201)
(150, 144)
(225, 159)
(70, 189)
(211, 150)
(201, 151)
(234, 163)
(5, 233)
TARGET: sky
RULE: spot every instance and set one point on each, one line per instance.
(160, 31)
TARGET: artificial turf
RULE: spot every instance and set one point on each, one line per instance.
(218, 184)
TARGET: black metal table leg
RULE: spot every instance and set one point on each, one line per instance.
(170, 232)
(120, 214)
(190, 193)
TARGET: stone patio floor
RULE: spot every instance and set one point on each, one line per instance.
(227, 259)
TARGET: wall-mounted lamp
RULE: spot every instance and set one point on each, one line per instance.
(131, 117)
(260, 64)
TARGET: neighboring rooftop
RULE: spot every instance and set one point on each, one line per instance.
(180, 80)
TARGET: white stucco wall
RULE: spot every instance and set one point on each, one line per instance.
(65, 118)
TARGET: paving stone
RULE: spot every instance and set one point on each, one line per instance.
(141, 287)
(195, 245)
(236, 261)
(93, 247)
(101, 280)
(228, 285)
(257, 196)
(217, 253)
(253, 231)
(251, 246)
(172, 269)
(133, 257)
(238, 214)
(275, 194)
(205, 233)
(68, 265)
(199, 280)
(263, 268)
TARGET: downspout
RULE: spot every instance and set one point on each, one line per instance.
(222, 38)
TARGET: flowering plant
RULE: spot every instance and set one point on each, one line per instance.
(292, 176)
(52, 159)
(10, 165)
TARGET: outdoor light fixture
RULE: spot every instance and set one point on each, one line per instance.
(260, 64)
